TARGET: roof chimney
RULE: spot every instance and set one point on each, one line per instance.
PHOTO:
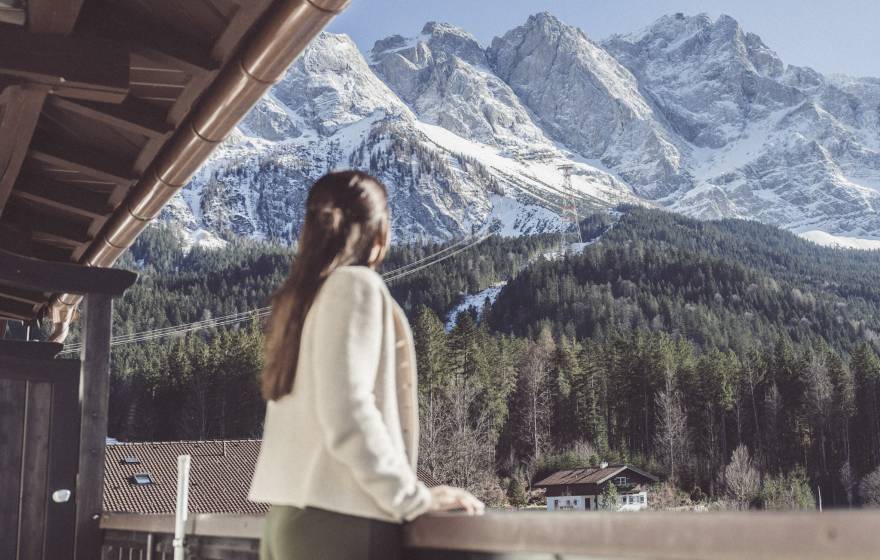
(603, 464)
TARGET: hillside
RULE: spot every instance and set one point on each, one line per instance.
(751, 334)
(721, 284)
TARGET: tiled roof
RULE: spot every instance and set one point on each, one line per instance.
(590, 475)
(220, 476)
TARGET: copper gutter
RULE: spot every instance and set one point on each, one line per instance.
(287, 27)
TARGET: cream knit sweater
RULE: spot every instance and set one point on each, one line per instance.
(345, 438)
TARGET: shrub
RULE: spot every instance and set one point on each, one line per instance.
(517, 494)
(666, 495)
(788, 492)
(609, 498)
(869, 488)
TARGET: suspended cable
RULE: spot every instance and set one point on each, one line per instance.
(239, 317)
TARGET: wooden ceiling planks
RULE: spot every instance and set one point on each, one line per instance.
(81, 67)
(110, 85)
(56, 17)
(67, 197)
(21, 110)
(90, 92)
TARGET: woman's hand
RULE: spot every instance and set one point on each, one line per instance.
(449, 498)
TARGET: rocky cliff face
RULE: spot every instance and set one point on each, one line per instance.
(690, 113)
(776, 143)
(589, 102)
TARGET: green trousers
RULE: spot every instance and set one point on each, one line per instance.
(292, 533)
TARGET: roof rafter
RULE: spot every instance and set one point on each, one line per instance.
(79, 67)
(132, 114)
(24, 296)
(63, 196)
(79, 160)
(52, 230)
(56, 17)
(12, 309)
(21, 110)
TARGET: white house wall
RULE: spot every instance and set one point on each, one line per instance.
(625, 502)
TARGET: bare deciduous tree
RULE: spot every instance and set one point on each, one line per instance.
(742, 478)
(847, 480)
(455, 443)
(672, 435)
(820, 391)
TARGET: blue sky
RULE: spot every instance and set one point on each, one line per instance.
(831, 35)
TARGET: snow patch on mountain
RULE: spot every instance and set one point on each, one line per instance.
(691, 113)
(840, 241)
(476, 301)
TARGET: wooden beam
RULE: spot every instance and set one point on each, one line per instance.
(28, 369)
(49, 228)
(56, 17)
(63, 196)
(12, 414)
(24, 296)
(21, 106)
(79, 159)
(52, 253)
(132, 114)
(55, 277)
(81, 67)
(62, 471)
(94, 391)
(729, 535)
(38, 420)
(14, 240)
(12, 309)
(143, 34)
(30, 350)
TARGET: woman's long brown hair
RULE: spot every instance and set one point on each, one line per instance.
(346, 220)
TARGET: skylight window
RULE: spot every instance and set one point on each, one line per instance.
(142, 479)
(130, 460)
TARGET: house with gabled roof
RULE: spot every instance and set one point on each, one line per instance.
(582, 489)
(141, 477)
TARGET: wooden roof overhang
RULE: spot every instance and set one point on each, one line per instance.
(107, 108)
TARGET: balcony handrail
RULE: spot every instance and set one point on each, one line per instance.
(197, 524)
(717, 535)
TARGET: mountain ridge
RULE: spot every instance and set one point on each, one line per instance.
(690, 113)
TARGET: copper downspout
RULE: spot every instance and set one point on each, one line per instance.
(283, 33)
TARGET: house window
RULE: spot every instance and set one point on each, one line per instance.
(620, 481)
(641, 499)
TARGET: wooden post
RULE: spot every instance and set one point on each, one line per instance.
(94, 391)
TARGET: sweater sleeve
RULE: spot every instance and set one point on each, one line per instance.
(347, 332)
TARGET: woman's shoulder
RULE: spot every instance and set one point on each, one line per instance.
(353, 273)
(351, 279)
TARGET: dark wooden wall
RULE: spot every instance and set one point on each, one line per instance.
(39, 435)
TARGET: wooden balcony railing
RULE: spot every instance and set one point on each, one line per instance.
(842, 535)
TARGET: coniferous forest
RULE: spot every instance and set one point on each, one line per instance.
(735, 360)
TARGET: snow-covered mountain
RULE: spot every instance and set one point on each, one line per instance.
(693, 114)
(776, 143)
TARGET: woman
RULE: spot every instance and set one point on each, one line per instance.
(338, 458)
